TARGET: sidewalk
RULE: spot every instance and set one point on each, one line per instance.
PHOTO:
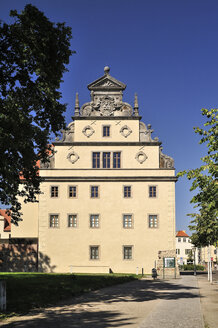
(143, 303)
(209, 299)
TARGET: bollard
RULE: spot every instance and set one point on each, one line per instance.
(2, 295)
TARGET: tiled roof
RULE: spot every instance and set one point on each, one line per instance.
(181, 233)
(7, 220)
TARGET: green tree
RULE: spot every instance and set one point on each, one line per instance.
(205, 222)
(34, 54)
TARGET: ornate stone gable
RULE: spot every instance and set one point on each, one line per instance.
(106, 98)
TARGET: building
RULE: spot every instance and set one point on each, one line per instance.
(107, 201)
(185, 251)
(184, 248)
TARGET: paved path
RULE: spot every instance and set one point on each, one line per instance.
(209, 299)
(144, 304)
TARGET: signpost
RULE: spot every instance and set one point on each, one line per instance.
(169, 262)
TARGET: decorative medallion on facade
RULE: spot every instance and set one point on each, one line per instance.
(72, 157)
(141, 157)
(88, 131)
(125, 131)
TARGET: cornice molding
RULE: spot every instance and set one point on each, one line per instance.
(103, 118)
(109, 179)
(108, 143)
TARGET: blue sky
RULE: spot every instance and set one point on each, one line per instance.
(165, 50)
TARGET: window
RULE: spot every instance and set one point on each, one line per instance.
(96, 160)
(72, 191)
(94, 252)
(106, 160)
(54, 191)
(127, 221)
(54, 221)
(94, 192)
(94, 221)
(116, 160)
(152, 221)
(106, 131)
(179, 240)
(188, 251)
(184, 240)
(177, 251)
(127, 191)
(127, 252)
(152, 191)
(72, 221)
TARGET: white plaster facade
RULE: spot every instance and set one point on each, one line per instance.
(129, 215)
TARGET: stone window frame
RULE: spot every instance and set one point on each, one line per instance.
(132, 220)
(132, 252)
(68, 191)
(106, 126)
(158, 223)
(77, 221)
(90, 252)
(94, 227)
(178, 251)
(127, 186)
(98, 191)
(58, 190)
(111, 159)
(49, 221)
(152, 186)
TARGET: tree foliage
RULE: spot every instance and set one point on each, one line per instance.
(34, 54)
(205, 221)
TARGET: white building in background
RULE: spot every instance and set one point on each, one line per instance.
(185, 253)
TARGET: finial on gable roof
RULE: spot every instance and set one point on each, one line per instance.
(106, 70)
(136, 106)
(76, 113)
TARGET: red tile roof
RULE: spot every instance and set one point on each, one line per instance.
(181, 233)
(7, 220)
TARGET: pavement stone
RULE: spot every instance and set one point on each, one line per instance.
(184, 311)
(144, 303)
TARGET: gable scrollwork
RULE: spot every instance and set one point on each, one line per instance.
(67, 134)
(166, 162)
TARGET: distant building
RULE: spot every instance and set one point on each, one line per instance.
(108, 193)
(185, 251)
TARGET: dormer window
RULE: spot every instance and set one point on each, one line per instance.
(106, 131)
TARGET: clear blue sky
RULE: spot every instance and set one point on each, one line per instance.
(165, 50)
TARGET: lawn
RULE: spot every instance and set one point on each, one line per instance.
(26, 291)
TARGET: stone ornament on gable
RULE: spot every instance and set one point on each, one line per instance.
(141, 157)
(72, 157)
(125, 131)
(88, 131)
(67, 134)
(166, 162)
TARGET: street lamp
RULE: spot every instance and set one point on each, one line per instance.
(194, 250)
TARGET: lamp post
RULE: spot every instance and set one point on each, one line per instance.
(194, 250)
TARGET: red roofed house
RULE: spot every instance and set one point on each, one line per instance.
(183, 247)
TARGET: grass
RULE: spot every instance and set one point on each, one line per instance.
(27, 291)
